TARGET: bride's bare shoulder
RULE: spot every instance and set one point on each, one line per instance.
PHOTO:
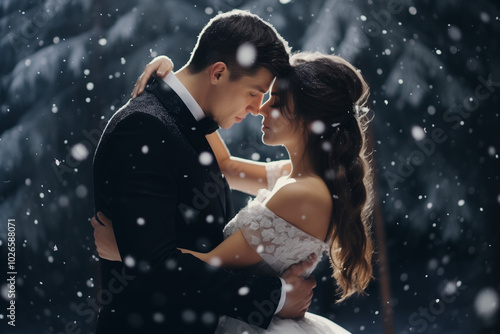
(305, 203)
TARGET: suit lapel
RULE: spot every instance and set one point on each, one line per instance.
(188, 125)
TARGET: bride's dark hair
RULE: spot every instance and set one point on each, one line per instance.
(329, 98)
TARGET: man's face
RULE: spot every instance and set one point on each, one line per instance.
(231, 101)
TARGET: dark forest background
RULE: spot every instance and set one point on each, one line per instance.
(434, 70)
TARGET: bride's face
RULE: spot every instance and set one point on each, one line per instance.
(277, 129)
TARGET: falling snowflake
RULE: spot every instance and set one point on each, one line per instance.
(318, 127)
(243, 291)
(246, 54)
(205, 158)
(417, 132)
(79, 152)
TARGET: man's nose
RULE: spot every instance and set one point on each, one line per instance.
(264, 109)
(254, 111)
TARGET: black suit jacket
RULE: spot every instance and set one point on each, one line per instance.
(157, 179)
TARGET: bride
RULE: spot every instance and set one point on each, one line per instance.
(318, 201)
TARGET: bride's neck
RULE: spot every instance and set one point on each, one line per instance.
(301, 162)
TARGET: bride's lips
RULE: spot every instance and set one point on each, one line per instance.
(265, 127)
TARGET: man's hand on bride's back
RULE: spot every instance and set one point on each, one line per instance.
(299, 291)
(162, 65)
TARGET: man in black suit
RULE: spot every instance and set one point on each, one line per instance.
(156, 178)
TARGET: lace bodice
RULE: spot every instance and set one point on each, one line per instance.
(278, 242)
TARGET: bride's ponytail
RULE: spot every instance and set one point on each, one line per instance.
(329, 96)
(349, 231)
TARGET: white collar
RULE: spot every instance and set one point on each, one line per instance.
(185, 96)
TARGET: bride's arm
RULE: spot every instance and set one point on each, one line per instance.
(162, 65)
(244, 175)
(234, 252)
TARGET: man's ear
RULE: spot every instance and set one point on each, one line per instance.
(217, 71)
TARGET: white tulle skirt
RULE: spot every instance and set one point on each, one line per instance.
(310, 324)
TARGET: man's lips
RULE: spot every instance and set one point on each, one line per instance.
(238, 119)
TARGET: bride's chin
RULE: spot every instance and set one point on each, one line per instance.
(268, 141)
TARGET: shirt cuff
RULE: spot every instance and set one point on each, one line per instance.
(283, 296)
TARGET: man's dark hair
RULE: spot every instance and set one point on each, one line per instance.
(221, 38)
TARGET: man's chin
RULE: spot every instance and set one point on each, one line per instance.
(226, 125)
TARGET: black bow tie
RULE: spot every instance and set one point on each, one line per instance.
(207, 125)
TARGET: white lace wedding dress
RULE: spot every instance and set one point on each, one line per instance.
(280, 244)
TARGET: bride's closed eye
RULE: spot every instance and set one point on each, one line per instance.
(275, 104)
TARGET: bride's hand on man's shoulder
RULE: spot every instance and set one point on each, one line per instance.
(162, 65)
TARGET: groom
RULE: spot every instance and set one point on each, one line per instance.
(156, 178)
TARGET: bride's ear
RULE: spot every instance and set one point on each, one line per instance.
(217, 72)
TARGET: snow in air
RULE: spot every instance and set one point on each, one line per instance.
(205, 158)
(215, 261)
(318, 127)
(486, 303)
(188, 316)
(81, 191)
(246, 54)
(208, 318)
(243, 291)
(158, 317)
(326, 146)
(79, 152)
(129, 261)
(417, 132)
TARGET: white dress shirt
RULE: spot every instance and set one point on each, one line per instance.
(198, 114)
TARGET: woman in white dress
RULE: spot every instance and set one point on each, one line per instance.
(318, 201)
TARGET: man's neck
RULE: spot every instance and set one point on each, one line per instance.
(195, 84)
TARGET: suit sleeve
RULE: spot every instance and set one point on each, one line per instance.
(142, 162)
